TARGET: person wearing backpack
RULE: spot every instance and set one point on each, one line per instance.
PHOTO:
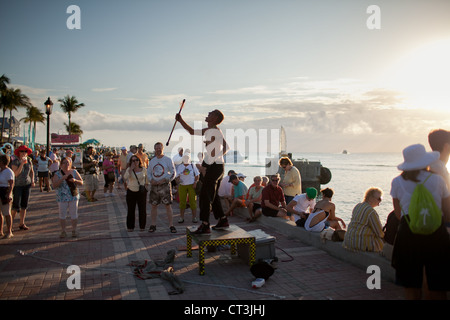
(421, 247)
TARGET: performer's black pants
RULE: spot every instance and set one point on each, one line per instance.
(209, 200)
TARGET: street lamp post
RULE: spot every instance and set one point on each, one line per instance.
(48, 111)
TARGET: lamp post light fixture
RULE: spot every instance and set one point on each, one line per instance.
(48, 111)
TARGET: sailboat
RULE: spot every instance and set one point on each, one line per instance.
(313, 174)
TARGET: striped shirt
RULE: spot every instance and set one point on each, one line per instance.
(364, 232)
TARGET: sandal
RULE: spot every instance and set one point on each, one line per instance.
(152, 229)
(23, 227)
(173, 230)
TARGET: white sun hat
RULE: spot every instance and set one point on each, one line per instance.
(416, 158)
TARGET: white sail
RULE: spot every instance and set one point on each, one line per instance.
(283, 141)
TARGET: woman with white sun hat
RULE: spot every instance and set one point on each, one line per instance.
(417, 255)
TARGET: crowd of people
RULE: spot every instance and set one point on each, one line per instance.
(203, 185)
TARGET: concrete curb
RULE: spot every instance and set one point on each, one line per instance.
(359, 259)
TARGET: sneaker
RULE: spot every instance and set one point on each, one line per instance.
(106, 195)
(194, 220)
(181, 220)
(74, 234)
(63, 234)
(202, 229)
(221, 224)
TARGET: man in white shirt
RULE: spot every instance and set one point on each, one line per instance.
(178, 158)
(161, 172)
(301, 206)
(225, 189)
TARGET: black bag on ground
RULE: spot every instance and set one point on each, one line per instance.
(262, 269)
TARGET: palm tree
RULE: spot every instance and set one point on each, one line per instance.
(3, 81)
(11, 99)
(70, 105)
(74, 128)
(33, 116)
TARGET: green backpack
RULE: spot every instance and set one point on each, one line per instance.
(424, 216)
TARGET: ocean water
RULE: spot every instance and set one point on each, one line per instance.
(352, 175)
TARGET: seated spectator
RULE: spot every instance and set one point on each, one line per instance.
(225, 191)
(365, 232)
(253, 201)
(273, 203)
(327, 206)
(301, 205)
(239, 192)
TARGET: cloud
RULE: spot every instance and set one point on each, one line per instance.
(96, 121)
(104, 89)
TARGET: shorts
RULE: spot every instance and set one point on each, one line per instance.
(21, 195)
(108, 181)
(90, 182)
(161, 194)
(412, 253)
(256, 206)
(67, 208)
(269, 212)
(6, 209)
(43, 174)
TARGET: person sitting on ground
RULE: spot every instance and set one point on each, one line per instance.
(326, 205)
(239, 193)
(273, 203)
(225, 191)
(316, 220)
(365, 232)
(253, 201)
(300, 207)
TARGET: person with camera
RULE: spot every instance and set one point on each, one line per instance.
(136, 181)
(66, 182)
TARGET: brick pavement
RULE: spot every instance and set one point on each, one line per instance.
(104, 249)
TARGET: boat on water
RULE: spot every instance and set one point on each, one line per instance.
(234, 156)
(313, 174)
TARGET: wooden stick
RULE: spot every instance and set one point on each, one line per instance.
(181, 108)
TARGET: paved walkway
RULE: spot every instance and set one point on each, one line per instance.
(34, 263)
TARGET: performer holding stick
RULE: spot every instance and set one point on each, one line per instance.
(216, 148)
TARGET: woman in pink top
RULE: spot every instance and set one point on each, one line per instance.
(108, 172)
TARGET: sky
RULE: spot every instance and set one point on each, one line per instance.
(317, 68)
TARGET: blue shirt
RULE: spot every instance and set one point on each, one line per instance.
(240, 190)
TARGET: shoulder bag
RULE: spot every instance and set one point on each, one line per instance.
(142, 188)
